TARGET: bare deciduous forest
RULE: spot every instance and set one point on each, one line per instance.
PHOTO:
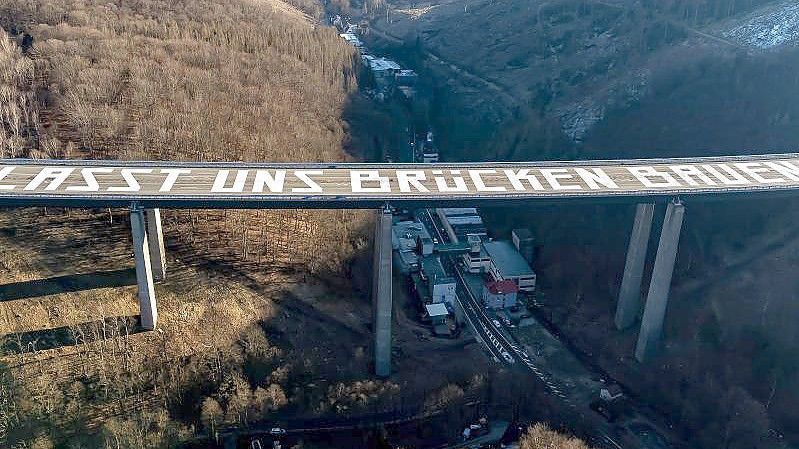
(190, 81)
(186, 80)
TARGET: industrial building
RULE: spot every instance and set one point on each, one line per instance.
(507, 264)
(440, 285)
(500, 294)
(423, 148)
(384, 71)
(459, 222)
(406, 77)
(410, 239)
(367, 59)
(476, 260)
(352, 39)
(428, 149)
(525, 243)
(387, 73)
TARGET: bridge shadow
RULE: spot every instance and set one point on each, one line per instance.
(67, 283)
(77, 334)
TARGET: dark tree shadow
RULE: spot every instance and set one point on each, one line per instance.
(67, 283)
(88, 332)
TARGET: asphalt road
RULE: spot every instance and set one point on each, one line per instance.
(501, 345)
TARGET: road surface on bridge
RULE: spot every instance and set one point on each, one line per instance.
(76, 183)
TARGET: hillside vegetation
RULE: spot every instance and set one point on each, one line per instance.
(607, 79)
(193, 80)
(539, 436)
(180, 80)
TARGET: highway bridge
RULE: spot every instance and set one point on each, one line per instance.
(145, 187)
(76, 183)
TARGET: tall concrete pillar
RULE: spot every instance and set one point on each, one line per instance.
(144, 272)
(155, 239)
(630, 292)
(658, 296)
(381, 293)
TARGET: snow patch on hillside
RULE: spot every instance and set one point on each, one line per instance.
(767, 28)
(578, 118)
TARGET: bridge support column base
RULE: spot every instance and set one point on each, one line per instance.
(155, 240)
(144, 273)
(658, 296)
(629, 303)
(381, 293)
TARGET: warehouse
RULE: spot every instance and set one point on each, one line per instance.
(459, 222)
(407, 238)
(507, 264)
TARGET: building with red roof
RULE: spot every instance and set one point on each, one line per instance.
(500, 294)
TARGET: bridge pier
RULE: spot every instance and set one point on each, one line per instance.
(629, 302)
(155, 240)
(144, 270)
(658, 296)
(381, 293)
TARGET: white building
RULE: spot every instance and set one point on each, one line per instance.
(430, 158)
(437, 312)
(384, 70)
(352, 39)
(507, 263)
(440, 285)
(500, 294)
(476, 260)
(406, 78)
(367, 60)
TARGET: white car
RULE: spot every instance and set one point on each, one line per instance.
(507, 357)
(496, 323)
(508, 322)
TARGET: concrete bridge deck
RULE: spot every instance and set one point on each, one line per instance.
(154, 184)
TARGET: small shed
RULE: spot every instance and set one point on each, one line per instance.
(437, 312)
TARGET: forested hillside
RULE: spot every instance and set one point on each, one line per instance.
(191, 81)
(573, 79)
(250, 80)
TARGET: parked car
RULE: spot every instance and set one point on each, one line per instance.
(277, 431)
